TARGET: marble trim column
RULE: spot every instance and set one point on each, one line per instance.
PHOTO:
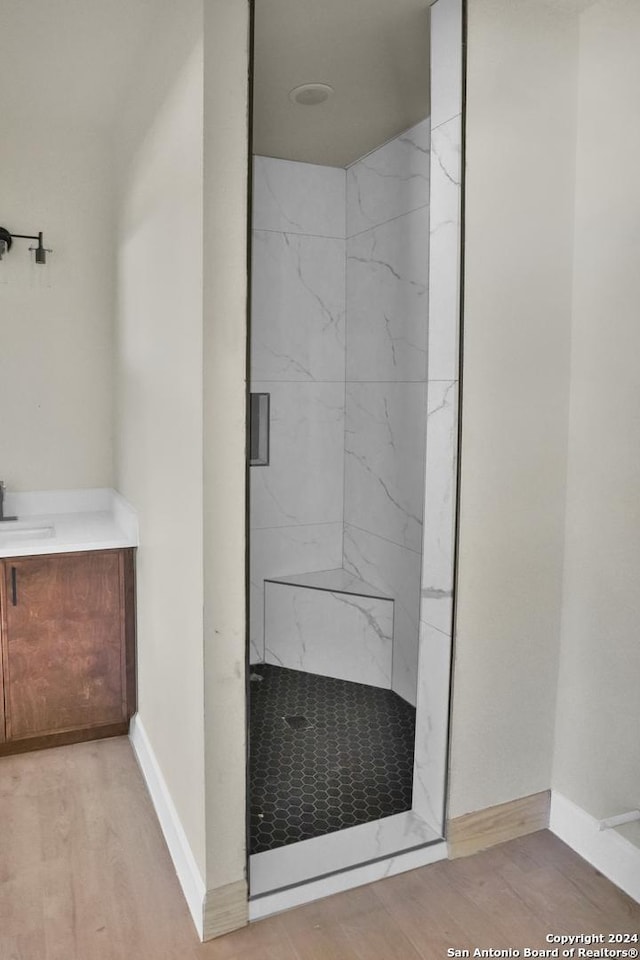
(438, 546)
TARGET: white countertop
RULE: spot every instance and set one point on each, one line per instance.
(66, 521)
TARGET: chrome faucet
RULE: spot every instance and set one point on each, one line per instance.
(3, 519)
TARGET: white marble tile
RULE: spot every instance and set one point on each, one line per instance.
(446, 60)
(384, 460)
(396, 570)
(346, 879)
(304, 480)
(256, 647)
(439, 506)
(432, 719)
(444, 252)
(390, 181)
(387, 300)
(298, 197)
(342, 850)
(337, 580)
(338, 635)
(275, 551)
(297, 307)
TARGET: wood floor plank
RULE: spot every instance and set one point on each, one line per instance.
(479, 878)
(545, 849)
(59, 911)
(378, 934)
(85, 875)
(479, 930)
(265, 940)
(25, 946)
(137, 871)
(559, 904)
(315, 932)
(362, 926)
(429, 923)
(21, 903)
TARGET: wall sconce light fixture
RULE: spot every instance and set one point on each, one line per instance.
(6, 242)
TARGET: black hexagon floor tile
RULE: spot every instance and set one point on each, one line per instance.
(350, 762)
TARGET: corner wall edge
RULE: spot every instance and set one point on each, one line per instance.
(606, 850)
(184, 862)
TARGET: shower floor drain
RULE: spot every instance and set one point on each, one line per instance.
(350, 764)
(297, 722)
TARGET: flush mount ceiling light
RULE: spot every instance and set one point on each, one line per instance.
(310, 94)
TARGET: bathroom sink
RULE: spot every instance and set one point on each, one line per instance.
(15, 531)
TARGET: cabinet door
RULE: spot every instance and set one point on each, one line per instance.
(63, 643)
(2, 724)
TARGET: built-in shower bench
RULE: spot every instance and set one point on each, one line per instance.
(331, 623)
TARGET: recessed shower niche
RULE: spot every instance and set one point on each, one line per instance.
(354, 382)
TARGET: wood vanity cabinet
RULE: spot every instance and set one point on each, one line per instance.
(67, 627)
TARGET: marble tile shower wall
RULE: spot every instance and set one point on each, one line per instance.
(298, 357)
(339, 340)
(386, 372)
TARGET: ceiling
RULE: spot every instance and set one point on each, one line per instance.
(374, 53)
(67, 61)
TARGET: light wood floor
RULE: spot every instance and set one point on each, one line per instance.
(85, 875)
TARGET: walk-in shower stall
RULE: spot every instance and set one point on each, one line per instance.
(354, 330)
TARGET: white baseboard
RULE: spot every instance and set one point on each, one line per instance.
(270, 903)
(184, 861)
(606, 850)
